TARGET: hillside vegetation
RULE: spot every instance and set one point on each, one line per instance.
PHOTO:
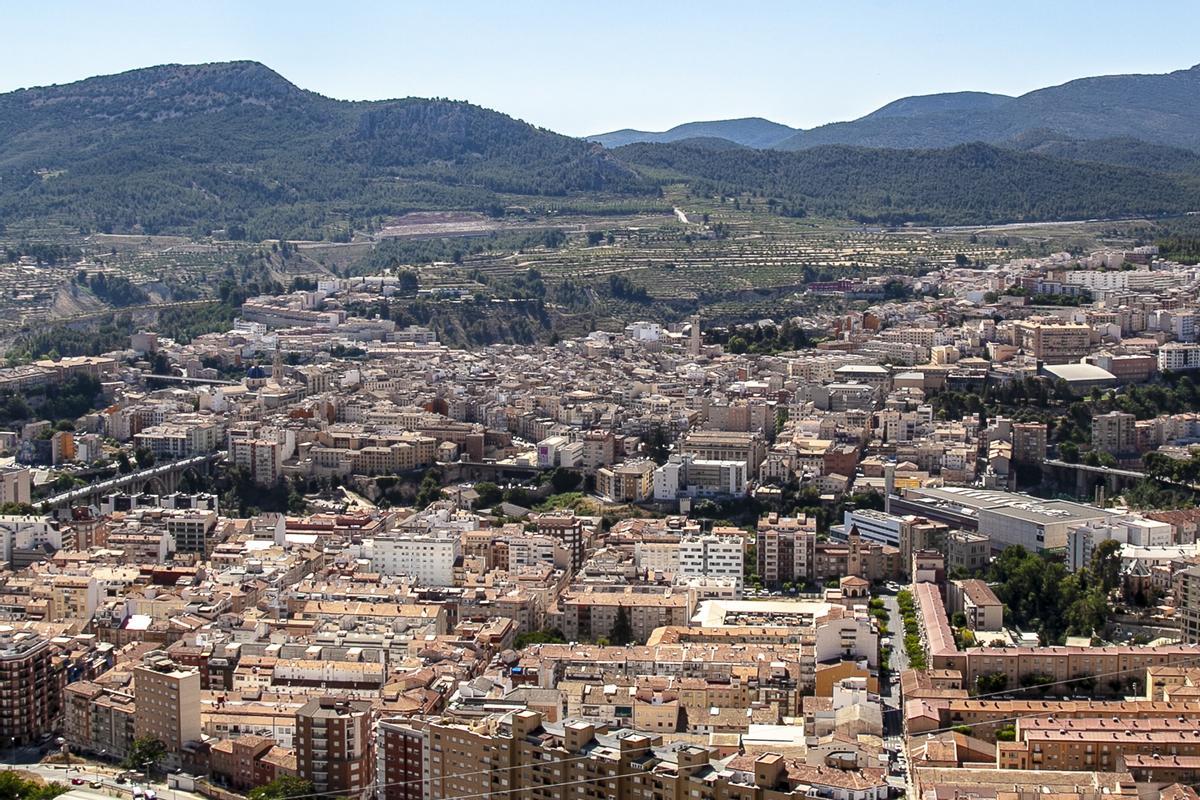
(236, 148)
(967, 184)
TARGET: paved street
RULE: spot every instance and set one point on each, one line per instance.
(893, 721)
(58, 773)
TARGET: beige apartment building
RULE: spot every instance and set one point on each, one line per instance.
(1115, 432)
(1053, 343)
(168, 703)
(589, 613)
(749, 448)
(631, 482)
(528, 758)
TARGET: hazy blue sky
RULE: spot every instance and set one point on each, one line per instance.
(586, 67)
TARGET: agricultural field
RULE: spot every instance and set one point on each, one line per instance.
(732, 258)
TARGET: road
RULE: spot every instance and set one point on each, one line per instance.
(899, 660)
(682, 215)
(58, 773)
(889, 695)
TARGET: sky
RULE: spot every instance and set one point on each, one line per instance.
(586, 67)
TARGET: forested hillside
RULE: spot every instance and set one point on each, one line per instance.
(967, 184)
(235, 147)
(197, 148)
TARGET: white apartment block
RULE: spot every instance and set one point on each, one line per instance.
(1178, 357)
(428, 558)
(711, 555)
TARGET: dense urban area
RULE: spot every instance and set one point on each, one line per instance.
(942, 537)
(400, 450)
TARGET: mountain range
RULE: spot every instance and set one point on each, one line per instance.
(235, 144)
(1157, 109)
(235, 147)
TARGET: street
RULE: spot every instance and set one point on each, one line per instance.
(889, 695)
(59, 773)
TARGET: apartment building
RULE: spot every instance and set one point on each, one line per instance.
(967, 552)
(98, 719)
(566, 528)
(333, 745)
(590, 612)
(1189, 603)
(712, 555)
(261, 458)
(1095, 744)
(917, 533)
(184, 435)
(630, 482)
(15, 484)
(428, 558)
(976, 601)
(532, 757)
(1051, 342)
(1029, 442)
(1179, 357)
(786, 549)
(31, 688)
(749, 448)
(402, 753)
(168, 703)
(1115, 433)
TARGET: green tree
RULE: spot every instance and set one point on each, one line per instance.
(282, 788)
(14, 787)
(564, 480)
(622, 632)
(430, 490)
(489, 494)
(145, 754)
(1106, 564)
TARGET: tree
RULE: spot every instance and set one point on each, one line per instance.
(145, 753)
(489, 494)
(430, 490)
(14, 787)
(1106, 564)
(622, 631)
(564, 480)
(123, 464)
(143, 457)
(281, 788)
(991, 683)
